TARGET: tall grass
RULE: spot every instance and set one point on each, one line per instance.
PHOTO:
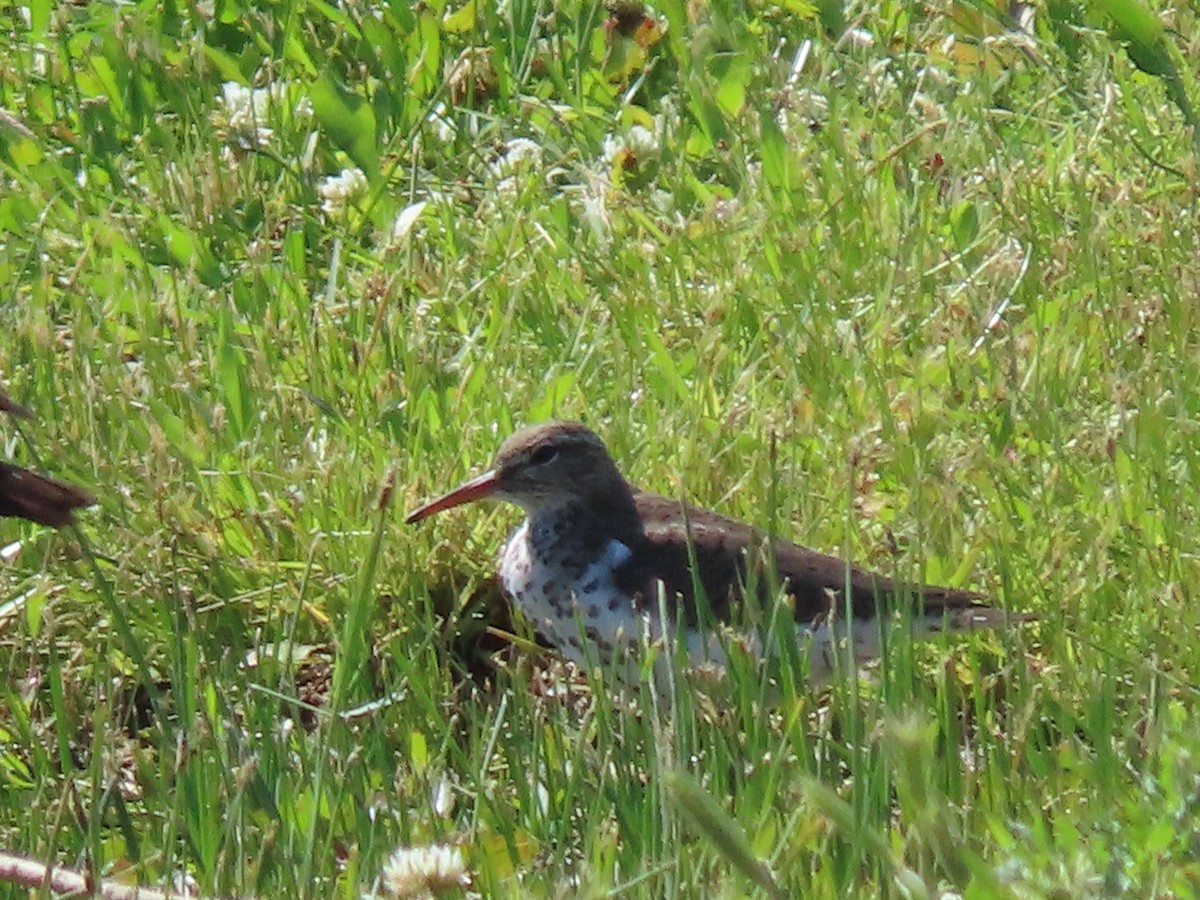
(920, 292)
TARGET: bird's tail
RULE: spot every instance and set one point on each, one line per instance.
(950, 612)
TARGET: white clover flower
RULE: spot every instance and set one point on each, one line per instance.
(244, 105)
(520, 154)
(244, 111)
(413, 872)
(638, 143)
(642, 141)
(339, 191)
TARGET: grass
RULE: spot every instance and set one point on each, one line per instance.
(929, 304)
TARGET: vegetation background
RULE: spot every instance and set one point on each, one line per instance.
(912, 282)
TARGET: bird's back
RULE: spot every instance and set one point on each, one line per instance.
(731, 558)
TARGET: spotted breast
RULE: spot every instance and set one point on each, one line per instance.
(570, 595)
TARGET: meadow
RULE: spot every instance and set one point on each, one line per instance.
(916, 284)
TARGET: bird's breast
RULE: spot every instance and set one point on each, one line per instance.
(569, 594)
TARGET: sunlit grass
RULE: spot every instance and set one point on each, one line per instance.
(924, 304)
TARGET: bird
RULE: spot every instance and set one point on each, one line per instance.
(599, 566)
(37, 498)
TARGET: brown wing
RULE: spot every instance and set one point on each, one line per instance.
(731, 556)
(47, 501)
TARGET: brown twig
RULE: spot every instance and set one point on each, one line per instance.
(13, 408)
(32, 873)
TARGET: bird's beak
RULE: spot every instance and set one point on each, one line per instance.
(475, 489)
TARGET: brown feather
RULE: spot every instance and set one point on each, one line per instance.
(731, 555)
(47, 501)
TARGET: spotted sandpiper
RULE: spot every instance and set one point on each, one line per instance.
(28, 495)
(595, 559)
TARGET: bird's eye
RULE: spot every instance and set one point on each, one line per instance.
(543, 454)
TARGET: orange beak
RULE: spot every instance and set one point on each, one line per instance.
(475, 489)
